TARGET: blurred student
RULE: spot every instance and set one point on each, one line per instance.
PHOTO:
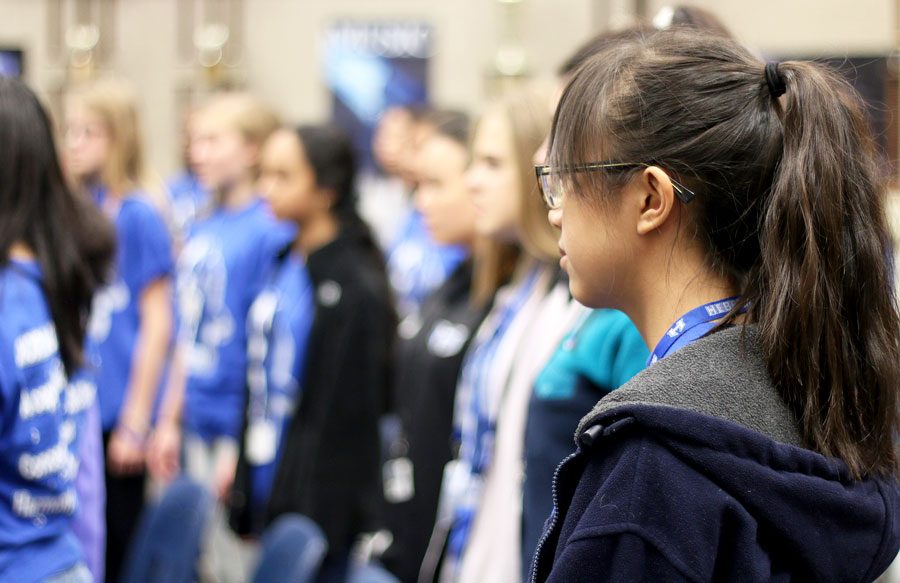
(131, 318)
(278, 330)
(528, 318)
(770, 399)
(329, 464)
(433, 342)
(602, 352)
(56, 251)
(417, 265)
(221, 270)
(384, 191)
(189, 200)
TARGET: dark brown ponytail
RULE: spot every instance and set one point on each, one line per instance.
(789, 206)
(827, 315)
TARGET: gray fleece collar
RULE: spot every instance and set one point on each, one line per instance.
(722, 375)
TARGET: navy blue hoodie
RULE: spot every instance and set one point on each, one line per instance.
(694, 471)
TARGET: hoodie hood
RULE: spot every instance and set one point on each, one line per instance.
(728, 427)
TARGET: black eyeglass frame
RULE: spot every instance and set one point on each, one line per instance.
(543, 171)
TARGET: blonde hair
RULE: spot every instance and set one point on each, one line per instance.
(115, 103)
(525, 109)
(243, 113)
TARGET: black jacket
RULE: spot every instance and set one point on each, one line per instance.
(430, 354)
(695, 471)
(330, 468)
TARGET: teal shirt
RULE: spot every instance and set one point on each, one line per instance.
(605, 349)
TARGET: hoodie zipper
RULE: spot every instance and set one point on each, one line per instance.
(554, 517)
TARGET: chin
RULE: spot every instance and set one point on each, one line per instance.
(440, 238)
(583, 296)
(278, 212)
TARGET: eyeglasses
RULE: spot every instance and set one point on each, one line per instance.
(552, 193)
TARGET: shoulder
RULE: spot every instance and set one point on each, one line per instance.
(26, 330)
(272, 234)
(138, 203)
(137, 211)
(723, 375)
(604, 320)
(352, 282)
(365, 284)
(638, 489)
(610, 349)
(607, 330)
(21, 296)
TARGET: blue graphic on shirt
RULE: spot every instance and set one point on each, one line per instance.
(222, 268)
(278, 329)
(42, 414)
(144, 256)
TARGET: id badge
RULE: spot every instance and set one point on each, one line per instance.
(262, 442)
(453, 488)
(398, 480)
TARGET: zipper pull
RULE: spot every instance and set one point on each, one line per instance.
(589, 436)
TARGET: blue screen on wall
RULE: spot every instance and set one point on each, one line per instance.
(11, 62)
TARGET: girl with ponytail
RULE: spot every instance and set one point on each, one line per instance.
(735, 212)
(324, 455)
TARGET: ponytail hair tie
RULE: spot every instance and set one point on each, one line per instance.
(775, 81)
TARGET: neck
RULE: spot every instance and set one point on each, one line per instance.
(682, 289)
(316, 233)
(238, 195)
(21, 251)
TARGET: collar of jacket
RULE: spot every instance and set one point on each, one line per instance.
(722, 375)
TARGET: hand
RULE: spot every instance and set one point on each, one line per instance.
(164, 451)
(224, 476)
(125, 453)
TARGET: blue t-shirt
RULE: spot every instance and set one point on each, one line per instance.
(41, 415)
(222, 269)
(417, 265)
(278, 329)
(189, 200)
(144, 255)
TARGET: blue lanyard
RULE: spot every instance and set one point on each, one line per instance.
(691, 326)
(479, 442)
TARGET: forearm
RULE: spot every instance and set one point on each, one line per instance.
(149, 359)
(173, 400)
(147, 368)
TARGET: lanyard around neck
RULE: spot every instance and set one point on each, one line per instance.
(691, 326)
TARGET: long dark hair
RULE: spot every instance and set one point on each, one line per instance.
(790, 206)
(73, 242)
(330, 153)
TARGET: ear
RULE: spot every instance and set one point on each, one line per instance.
(657, 199)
